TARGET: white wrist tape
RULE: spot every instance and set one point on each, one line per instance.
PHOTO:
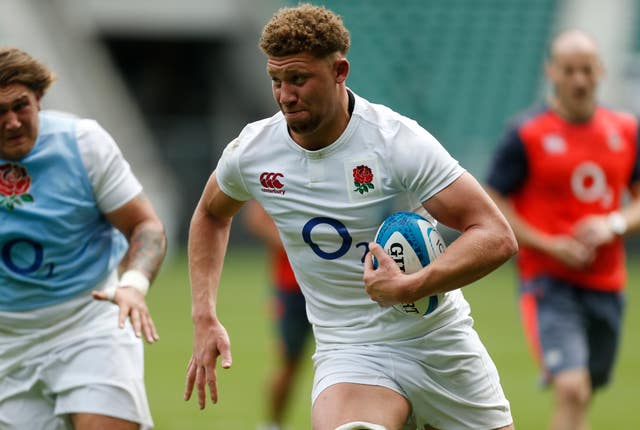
(131, 278)
(135, 279)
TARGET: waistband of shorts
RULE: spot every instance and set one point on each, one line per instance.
(42, 317)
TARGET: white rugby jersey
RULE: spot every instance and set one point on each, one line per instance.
(329, 203)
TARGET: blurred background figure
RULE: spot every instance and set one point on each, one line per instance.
(561, 175)
(72, 211)
(289, 312)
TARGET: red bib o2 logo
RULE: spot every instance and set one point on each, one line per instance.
(589, 184)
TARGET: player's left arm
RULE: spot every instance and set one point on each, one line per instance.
(145, 232)
(486, 241)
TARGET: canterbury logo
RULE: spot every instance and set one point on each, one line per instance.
(271, 182)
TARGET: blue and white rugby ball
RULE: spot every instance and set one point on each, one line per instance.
(413, 242)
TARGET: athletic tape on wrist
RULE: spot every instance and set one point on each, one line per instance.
(131, 278)
(135, 279)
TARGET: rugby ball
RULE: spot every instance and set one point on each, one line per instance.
(413, 242)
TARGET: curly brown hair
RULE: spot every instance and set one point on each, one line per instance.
(305, 28)
(18, 67)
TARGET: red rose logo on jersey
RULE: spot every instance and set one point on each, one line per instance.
(362, 179)
(271, 183)
(14, 186)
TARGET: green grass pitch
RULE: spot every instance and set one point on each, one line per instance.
(243, 308)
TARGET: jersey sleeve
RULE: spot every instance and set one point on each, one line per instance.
(424, 166)
(508, 168)
(113, 182)
(228, 173)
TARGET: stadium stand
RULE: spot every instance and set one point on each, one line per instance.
(459, 67)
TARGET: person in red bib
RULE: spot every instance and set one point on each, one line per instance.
(567, 177)
(289, 306)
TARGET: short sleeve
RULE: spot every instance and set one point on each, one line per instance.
(508, 168)
(424, 166)
(113, 182)
(228, 173)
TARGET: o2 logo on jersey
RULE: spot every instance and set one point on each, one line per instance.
(25, 257)
(589, 184)
(342, 231)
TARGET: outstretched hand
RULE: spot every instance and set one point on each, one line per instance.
(132, 305)
(210, 341)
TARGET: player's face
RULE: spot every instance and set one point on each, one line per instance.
(306, 91)
(575, 76)
(19, 107)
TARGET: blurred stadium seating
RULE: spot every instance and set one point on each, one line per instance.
(458, 67)
(175, 81)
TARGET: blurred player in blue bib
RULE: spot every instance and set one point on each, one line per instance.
(328, 168)
(71, 211)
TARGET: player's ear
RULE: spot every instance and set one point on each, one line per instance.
(341, 69)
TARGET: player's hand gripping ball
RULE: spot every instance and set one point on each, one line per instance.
(413, 242)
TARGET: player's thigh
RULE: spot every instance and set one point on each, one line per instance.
(96, 404)
(101, 422)
(101, 373)
(606, 310)
(348, 402)
(558, 320)
(33, 410)
(451, 381)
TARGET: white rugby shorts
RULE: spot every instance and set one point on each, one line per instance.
(69, 358)
(447, 376)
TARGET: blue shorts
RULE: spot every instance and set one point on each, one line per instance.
(571, 327)
(293, 325)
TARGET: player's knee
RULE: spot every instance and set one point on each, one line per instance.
(573, 389)
(360, 425)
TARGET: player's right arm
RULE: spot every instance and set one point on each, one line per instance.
(208, 239)
(507, 173)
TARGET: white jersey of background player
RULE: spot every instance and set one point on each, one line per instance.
(326, 221)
